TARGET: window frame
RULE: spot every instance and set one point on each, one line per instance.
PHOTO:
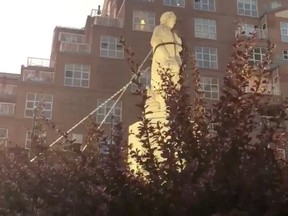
(145, 80)
(13, 109)
(3, 89)
(28, 139)
(209, 81)
(285, 54)
(114, 42)
(250, 3)
(103, 110)
(213, 64)
(284, 27)
(200, 5)
(35, 101)
(171, 3)
(4, 139)
(73, 68)
(261, 54)
(143, 15)
(203, 23)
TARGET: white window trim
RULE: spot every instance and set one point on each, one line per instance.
(145, 80)
(262, 55)
(285, 55)
(203, 91)
(202, 57)
(73, 74)
(26, 108)
(115, 51)
(250, 2)
(284, 26)
(28, 139)
(3, 89)
(275, 4)
(200, 3)
(107, 108)
(171, 4)
(143, 17)
(4, 139)
(13, 109)
(202, 24)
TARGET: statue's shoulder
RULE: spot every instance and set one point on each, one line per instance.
(159, 28)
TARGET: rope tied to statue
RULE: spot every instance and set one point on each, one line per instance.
(167, 43)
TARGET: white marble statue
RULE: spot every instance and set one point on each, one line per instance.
(166, 46)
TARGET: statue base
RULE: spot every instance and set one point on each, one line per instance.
(157, 114)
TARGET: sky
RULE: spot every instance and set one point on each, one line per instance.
(27, 27)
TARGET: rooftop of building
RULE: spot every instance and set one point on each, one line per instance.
(9, 75)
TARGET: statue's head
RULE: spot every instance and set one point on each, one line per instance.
(168, 18)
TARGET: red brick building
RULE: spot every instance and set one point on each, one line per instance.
(88, 65)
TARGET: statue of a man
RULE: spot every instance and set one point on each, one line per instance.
(166, 46)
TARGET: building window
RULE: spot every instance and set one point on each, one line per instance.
(77, 75)
(275, 85)
(144, 79)
(7, 109)
(209, 86)
(275, 4)
(8, 89)
(116, 112)
(110, 47)
(247, 7)
(284, 31)
(285, 54)
(206, 57)
(205, 5)
(28, 139)
(34, 100)
(3, 136)
(76, 138)
(143, 20)
(175, 3)
(205, 28)
(258, 55)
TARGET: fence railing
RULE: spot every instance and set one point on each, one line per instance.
(31, 61)
(7, 109)
(108, 21)
(272, 87)
(8, 90)
(38, 76)
(70, 37)
(75, 47)
(259, 33)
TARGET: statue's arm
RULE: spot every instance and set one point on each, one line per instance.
(179, 41)
(156, 39)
